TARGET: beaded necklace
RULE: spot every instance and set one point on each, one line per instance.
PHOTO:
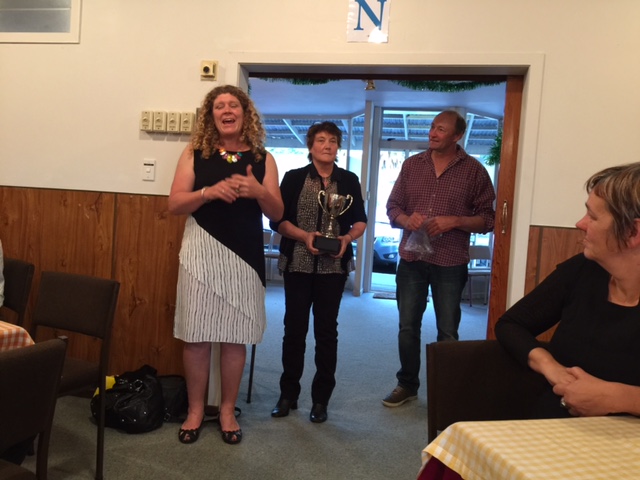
(230, 157)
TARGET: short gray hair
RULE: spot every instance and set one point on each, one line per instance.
(619, 187)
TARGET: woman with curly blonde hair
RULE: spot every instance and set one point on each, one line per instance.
(207, 136)
(225, 180)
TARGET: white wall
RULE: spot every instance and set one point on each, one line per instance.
(69, 113)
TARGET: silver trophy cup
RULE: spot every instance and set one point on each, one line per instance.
(333, 205)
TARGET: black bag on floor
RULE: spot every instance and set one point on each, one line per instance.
(135, 403)
(174, 391)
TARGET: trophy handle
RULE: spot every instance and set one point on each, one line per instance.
(321, 194)
(350, 200)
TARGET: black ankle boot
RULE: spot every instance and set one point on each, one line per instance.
(283, 406)
(318, 413)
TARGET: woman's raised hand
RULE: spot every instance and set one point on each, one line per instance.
(247, 186)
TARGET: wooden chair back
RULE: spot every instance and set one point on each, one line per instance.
(477, 380)
(30, 377)
(86, 305)
(18, 276)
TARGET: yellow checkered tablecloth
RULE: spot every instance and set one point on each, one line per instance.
(572, 448)
(13, 336)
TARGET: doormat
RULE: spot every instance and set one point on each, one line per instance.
(385, 295)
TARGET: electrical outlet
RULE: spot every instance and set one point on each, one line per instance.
(173, 122)
(186, 122)
(208, 69)
(149, 170)
(159, 121)
(146, 121)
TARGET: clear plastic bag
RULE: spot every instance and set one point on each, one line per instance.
(419, 242)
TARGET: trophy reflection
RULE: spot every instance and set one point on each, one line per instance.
(333, 205)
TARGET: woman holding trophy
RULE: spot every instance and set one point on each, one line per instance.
(323, 213)
(225, 180)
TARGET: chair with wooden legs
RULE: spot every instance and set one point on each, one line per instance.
(83, 305)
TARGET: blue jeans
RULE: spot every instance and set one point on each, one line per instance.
(412, 287)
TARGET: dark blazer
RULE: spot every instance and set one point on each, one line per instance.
(291, 187)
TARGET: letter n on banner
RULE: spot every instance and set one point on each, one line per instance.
(368, 21)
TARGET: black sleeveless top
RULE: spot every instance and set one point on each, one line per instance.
(238, 226)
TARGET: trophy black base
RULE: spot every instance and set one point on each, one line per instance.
(327, 245)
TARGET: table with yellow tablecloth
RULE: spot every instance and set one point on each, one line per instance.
(569, 448)
(13, 336)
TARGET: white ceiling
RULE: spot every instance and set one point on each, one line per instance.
(346, 97)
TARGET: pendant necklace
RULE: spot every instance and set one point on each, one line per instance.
(230, 157)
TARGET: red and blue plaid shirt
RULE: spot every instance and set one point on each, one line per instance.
(463, 189)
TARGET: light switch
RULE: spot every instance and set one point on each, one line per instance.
(159, 121)
(186, 122)
(146, 121)
(149, 170)
(173, 122)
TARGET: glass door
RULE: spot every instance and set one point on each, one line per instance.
(386, 239)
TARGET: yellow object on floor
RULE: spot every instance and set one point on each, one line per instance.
(111, 381)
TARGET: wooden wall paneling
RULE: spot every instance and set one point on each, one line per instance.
(75, 236)
(59, 230)
(147, 240)
(533, 258)
(557, 245)
(14, 228)
(554, 245)
(549, 246)
(76, 232)
(134, 239)
(64, 231)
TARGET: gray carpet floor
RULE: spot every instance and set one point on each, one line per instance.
(361, 440)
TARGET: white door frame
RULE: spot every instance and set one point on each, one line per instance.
(529, 65)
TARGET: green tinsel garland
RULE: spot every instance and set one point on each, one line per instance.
(494, 152)
(442, 86)
(301, 81)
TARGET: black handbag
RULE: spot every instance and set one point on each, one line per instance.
(135, 403)
(174, 391)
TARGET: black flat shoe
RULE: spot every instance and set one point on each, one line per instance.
(318, 413)
(189, 435)
(233, 437)
(283, 406)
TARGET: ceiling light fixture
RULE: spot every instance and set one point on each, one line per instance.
(370, 85)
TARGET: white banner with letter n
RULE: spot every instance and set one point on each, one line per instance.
(368, 21)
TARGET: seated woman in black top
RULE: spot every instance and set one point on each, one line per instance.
(593, 360)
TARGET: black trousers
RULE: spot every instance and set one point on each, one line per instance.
(322, 293)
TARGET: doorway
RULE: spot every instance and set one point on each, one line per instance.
(510, 145)
(391, 146)
(399, 125)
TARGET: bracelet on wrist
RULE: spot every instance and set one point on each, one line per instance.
(204, 200)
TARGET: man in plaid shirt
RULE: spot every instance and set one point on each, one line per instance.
(448, 194)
